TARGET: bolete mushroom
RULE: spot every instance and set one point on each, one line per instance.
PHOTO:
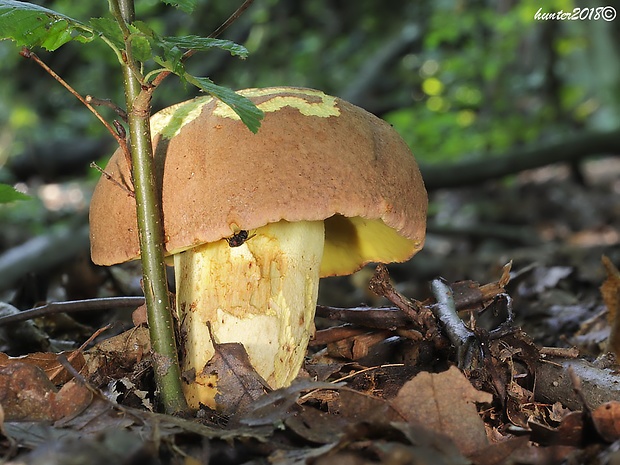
(252, 221)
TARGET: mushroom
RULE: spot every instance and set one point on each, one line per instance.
(252, 221)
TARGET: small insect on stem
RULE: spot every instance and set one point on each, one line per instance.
(239, 238)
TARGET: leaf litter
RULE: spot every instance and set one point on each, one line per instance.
(381, 384)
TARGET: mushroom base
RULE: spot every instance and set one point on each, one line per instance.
(261, 293)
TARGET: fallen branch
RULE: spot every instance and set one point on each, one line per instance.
(460, 335)
(90, 305)
(369, 317)
(42, 253)
(568, 149)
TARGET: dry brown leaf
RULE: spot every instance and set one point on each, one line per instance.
(27, 394)
(610, 291)
(499, 452)
(117, 355)
(238, 384)
(48, 362)
(356, 407)
(444, 402)
(606, 419)
(469, 295)
(570, 431)
(139, 316)
(317, 426)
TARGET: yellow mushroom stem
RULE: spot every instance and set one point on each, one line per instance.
(261, 293)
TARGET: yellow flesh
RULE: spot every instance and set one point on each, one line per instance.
(261, 294)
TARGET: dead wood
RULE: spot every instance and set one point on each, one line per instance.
(476, 170)
(42, 253)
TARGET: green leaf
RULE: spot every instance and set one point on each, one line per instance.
(109, 28)
(9, 194)
(140, 46)
(192, 42)
(184, 5)
(169, 51)
(243, 107)
(140, 43)
(34, 26)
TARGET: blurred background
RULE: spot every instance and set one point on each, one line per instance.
(470, 85)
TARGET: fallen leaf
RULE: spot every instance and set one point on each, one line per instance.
(357, 406)
(445, 402)
(498, 453)
(570, 431)
(70, 401)
(606, 419)
(347, 408)
(397, 443)
(544, 278)
(138, 317)
(48, 362)
(115, 357)
(300, 456)
(27, 394)
(238, 383)
(610, 291)
(316, 426)
(278, 405)
(69, 447)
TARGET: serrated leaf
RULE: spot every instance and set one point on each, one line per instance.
(140, 43)
(169, 51)
(193, 42)
(242, 106)
(9, 194)
(110, 29)
(140, 46)
(34, 26)
(172, 61)
(184, 5)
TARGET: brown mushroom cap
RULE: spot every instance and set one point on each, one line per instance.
(315, 157)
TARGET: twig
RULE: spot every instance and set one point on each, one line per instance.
(380, 285)
(79, 350)
(26, 53)
(339, 383)
(231, 19)
(578, 389)
(445, 311)
(369, 317)
(109, 177)
(421, 317)
(91, 305)
(119, 12)
(107, 103)
(336, 333)
(560, 352)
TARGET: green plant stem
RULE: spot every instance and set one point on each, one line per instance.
(150, 226)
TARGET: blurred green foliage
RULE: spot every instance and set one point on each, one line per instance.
(476, 77)
(456, 78)
(491, 77)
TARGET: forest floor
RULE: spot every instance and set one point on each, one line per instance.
(387, 382)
